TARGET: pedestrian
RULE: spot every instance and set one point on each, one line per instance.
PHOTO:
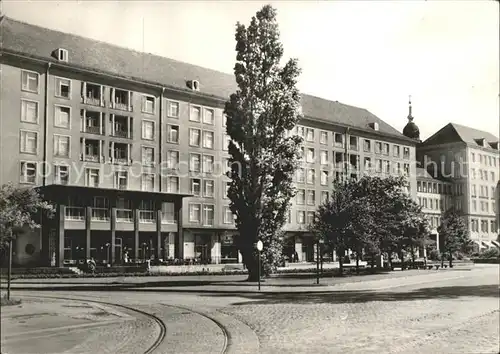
(125, 257)
(295, 257)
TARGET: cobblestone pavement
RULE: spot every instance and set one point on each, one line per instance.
(430, 312)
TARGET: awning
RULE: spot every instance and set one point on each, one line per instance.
(486, 244)
(495, 243)
(477, 243)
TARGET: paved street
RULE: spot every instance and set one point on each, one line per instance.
(448, 311)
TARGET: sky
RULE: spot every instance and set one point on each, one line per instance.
(370, 54)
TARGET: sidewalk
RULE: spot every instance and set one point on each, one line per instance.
(224, 284)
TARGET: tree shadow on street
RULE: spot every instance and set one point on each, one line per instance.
(340, 297)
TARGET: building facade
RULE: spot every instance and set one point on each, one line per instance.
(469, 159)
(132, 150)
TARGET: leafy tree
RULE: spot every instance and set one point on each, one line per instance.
(263, 156)
(453, 234)
(18, 208)
(344, 220)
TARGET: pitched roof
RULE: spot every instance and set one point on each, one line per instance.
(423, 174)
(39, 42)
(453, 132)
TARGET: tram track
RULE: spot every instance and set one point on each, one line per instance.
(162, 327)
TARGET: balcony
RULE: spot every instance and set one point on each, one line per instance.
(93, 130)
(92, 122)
(100, 214)
(74, 213)
(124, 215)
(120, 153)
(168, 218)
(121, 100)
(147, 216)
(92, 94)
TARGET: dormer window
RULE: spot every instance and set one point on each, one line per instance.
(494, 145)
(194, 85)
(479, 142)
(62, 54)
(374, 126)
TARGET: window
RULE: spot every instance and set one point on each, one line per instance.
(148, 156)
(226, 186)
(323, 138)
(224, 120)
(30, 81)
(29, 111)
(311, 176)
(301, 217)
(419, 186)
(301, 196)
(325, 196)
(300, 131)
(28, 172)
(310, 155)
(480, 159)
(208, 215)
(173, 134)
(431, 203)
(473, 190)
(493, 226)
(385, 150)
(310, 134)
(148, 104)
(353, 143)
(225, 142)
(196, 186)
(208, 164)
(324, 178)
(148, 130)
(311, 197)
(208, 139)
(62, 117)
(310, 217)
(387, 166)
(338, 139)
(61, 174)
(492, 193)
(367, 145)
(61, 145)
(473, 157)
(406, 168)
(378, 147)
(434, 188)
(228, 215)
(302, 153)
(208, 188)
(368, 162)
(173, 109)
(194, 137)
(92, 177)
(168, 213)
(28, 142)
(484, 226)
(173, 184)
(194, 213)
(121, 179)
(300, 175)
(63, 87)
(194, 162)
(406, 152)
(378, 163)
(473, 173)
(492, 175)
(208, 116)
(195, 115)
(396, 151)
(324, 157)
(148, 182)
(172, 159)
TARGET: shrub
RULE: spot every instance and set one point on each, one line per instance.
(490, 253)
(434, 255)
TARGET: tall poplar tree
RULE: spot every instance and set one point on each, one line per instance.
(263, 156)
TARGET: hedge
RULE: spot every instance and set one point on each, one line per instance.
(486, 260)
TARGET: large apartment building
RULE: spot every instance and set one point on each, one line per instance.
(468, 159)
(132, 150)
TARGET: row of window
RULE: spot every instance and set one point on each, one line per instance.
(483, 191)
(434, 187)
(485, 159)
(205, 214)
(309, 197)
(483, 175)
(432, 203)
(484, 206)
(119, 99)
(339, 141)
(484, 225)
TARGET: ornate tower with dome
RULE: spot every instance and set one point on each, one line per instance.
(411, 129)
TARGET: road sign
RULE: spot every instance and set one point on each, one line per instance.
(260, 246)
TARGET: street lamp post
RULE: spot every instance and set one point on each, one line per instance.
(107, 253)
(9, 275)
(321, 242)
(317, 262)
(259, 246)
